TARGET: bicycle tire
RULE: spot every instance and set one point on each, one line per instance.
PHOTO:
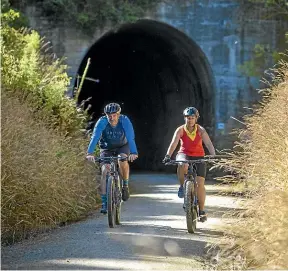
(110, 202)
(191, 213)
(119, 201)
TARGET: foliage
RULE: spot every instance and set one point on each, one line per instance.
(12, 17)
(263, 55)
(90, 13)
(277, 9)
(37, 77)
(45, 181)
(257, 237)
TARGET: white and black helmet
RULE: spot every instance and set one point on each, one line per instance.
(190, 111)
(112, 108)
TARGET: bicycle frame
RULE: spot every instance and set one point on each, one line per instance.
(113, 162)
(190, 204)
(191, 173)
(113, 188)
(191, 176)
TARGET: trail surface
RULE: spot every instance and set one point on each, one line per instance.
(153, 234)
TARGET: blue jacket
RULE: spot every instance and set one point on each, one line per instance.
(101, 125)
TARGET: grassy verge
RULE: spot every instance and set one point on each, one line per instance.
(259, 238)
(45, 180)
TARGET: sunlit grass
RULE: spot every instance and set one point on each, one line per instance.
(45, 178)
(259, 240)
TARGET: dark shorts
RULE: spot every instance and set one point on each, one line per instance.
(123, 149)
(200, 167)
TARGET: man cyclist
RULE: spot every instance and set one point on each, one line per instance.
(191, 135)
(115, 135)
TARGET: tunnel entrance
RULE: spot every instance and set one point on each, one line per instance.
(153, 71)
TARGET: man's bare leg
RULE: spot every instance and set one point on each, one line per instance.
(104, 170)
(125, 171)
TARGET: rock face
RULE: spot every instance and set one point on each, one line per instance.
(182, 53)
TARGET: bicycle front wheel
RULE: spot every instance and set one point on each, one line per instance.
(191, 213)
(111, 202)
(118, 195)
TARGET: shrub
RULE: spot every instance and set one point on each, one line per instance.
(259, 239)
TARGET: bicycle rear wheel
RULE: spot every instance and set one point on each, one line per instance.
(118, 195)
(191, 212)
(111, 202)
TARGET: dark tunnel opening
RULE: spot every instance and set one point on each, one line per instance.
(154, 71)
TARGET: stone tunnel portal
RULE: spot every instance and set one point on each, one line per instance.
(153, 71)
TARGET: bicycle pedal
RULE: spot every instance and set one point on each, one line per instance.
(202, 218)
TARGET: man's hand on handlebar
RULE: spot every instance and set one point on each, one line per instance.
(132, 157)
(90, 158)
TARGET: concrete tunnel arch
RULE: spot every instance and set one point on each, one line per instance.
(154, 71)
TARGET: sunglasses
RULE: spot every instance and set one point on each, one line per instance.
(190, 117)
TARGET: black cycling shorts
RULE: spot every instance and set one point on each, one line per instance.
(113, 152)
(200, 167)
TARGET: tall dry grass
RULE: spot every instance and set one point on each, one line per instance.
(45, 178)
(258, 238)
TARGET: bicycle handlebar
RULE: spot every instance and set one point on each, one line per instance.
(190, 162)
(110, 158)
(207, 158)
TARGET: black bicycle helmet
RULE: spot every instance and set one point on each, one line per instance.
(190, 111)
(112, 108)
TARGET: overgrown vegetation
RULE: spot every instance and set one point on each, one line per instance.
(36, 77)
(45, 179)
(263, 54)
(258, 237)
(276, 9)
(92, 13)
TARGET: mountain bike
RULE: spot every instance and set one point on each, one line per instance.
(114, 184)
(191, 204)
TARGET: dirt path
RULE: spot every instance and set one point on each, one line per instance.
(153, 234)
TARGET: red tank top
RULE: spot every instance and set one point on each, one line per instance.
(191, 143)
